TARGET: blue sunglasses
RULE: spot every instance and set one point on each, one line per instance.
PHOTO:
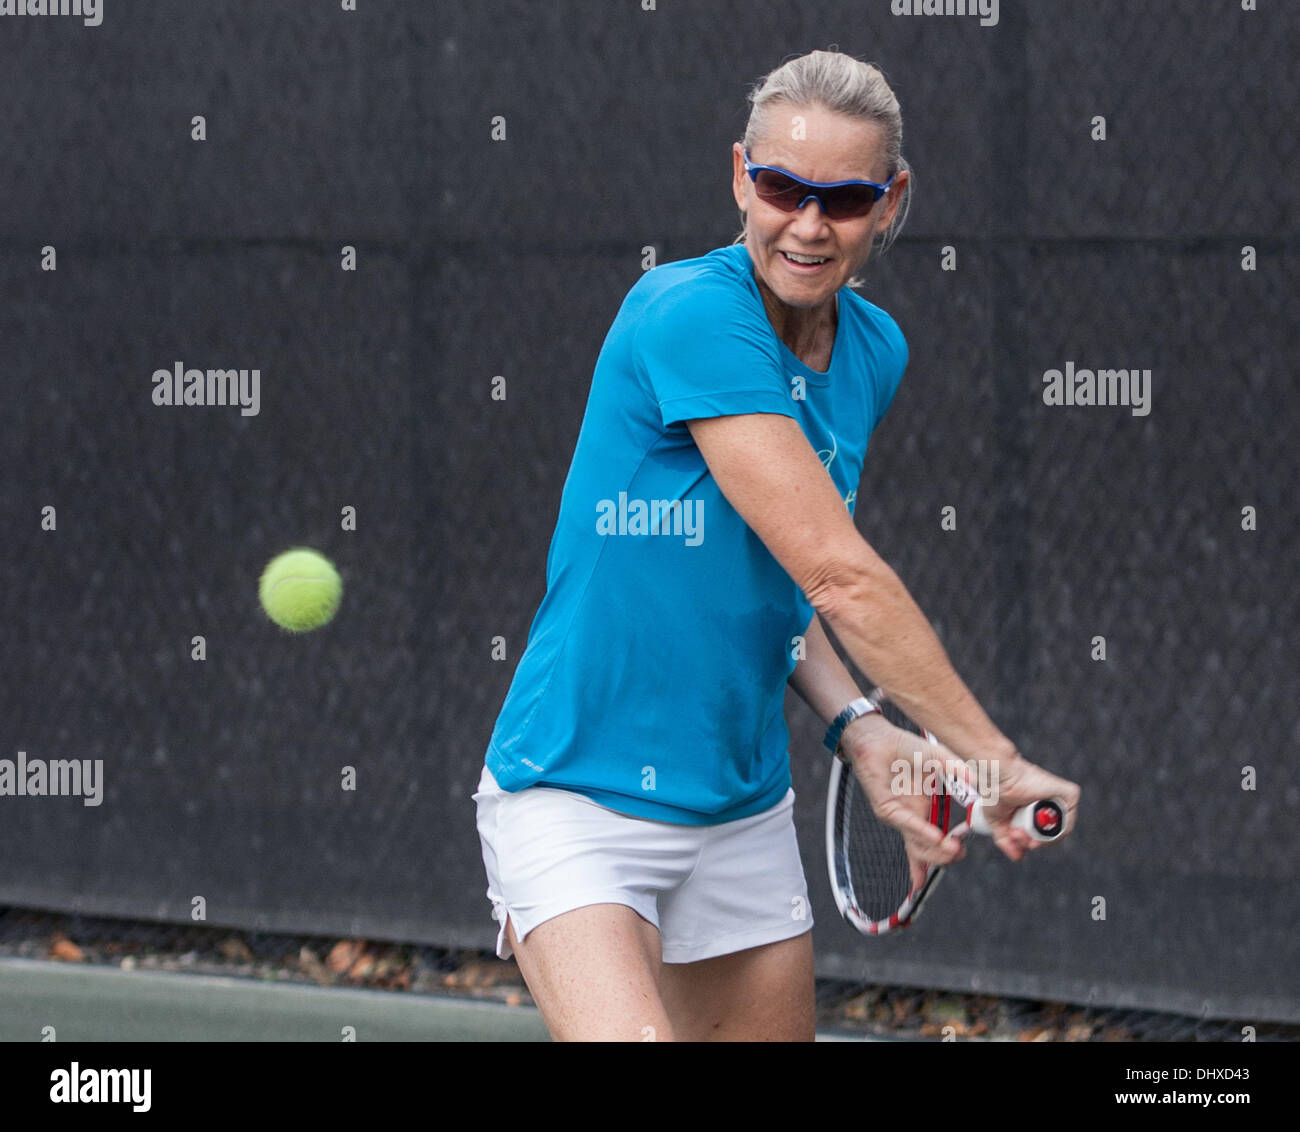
(839, 200)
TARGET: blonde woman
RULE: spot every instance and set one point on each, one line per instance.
(635, 808)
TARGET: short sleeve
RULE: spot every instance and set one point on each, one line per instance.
(890, 373)
(704, 350)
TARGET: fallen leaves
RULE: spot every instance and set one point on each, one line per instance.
(478, 974)
(235, 949)
(63, 949)
(355, 962)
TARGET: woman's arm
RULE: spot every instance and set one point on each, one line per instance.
(820, 677)
(871, 744)
(827, 686)
(768, 471)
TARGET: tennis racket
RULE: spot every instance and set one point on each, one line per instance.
(867, 858)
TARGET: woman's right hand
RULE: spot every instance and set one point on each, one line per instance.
(899, 772)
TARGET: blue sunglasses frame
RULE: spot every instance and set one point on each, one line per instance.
(877, 190)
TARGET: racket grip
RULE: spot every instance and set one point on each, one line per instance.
(1043, 820)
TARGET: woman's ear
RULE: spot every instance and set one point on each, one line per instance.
(739, 176)
(893, 199)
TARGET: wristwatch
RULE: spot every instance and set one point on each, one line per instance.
(859, 707)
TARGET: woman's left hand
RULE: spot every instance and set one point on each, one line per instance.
(883, 756)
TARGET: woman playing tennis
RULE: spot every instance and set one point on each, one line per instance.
(635, 809)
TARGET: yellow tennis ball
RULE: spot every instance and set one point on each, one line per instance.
(300, 590)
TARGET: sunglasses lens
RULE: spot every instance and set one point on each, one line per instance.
(779, 190)
(841, 203)
(848, 201)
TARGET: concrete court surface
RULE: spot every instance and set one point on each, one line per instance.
(104, 1004)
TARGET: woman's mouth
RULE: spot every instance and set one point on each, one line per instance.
(804, 264)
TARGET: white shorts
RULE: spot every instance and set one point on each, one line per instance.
(709, 889)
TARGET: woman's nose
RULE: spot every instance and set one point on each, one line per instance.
(810, 214)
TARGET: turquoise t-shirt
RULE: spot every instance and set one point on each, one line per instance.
(654, 676)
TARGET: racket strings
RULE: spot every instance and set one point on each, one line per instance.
(874, 869)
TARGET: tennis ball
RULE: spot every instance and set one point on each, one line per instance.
(300, 590)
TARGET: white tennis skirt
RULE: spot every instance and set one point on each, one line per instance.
(709, 889)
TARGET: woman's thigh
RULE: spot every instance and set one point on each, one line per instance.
(594, 974)
(761, 994)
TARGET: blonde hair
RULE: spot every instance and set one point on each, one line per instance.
(843, 85)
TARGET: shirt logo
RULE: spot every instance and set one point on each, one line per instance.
(826, 455)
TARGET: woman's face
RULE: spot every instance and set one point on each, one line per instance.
(831, 147)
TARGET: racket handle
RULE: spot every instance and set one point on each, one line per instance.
(1043, 821)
